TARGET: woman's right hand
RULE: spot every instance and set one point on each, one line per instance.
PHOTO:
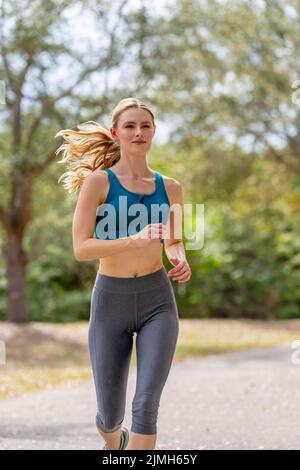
(152, 233)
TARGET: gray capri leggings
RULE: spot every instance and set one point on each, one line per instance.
(119, 307)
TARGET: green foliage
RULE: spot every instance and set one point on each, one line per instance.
(58, 289)
(249, 266)
(230, 102)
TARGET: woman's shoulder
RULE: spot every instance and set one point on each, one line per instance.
(170, 182)
(99, 179)
(173, 188)
(101, 173)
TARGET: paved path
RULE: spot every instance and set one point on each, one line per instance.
(240, 400)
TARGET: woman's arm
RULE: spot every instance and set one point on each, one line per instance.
(85, 246)
(95, 249)
(174, 247)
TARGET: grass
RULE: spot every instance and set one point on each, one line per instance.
(43, 356)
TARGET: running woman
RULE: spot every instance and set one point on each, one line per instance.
(132, 292)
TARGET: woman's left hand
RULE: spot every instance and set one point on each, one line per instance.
(181, 272)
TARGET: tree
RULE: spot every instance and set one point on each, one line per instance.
(35, 41)
(228, 72)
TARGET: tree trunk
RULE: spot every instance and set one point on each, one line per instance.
(16, 262)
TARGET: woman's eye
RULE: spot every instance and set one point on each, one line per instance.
(142, 126)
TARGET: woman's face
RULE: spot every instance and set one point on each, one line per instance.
(134, 124)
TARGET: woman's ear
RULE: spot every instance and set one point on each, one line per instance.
(113, 133)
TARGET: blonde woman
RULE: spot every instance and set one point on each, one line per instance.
(132, 292)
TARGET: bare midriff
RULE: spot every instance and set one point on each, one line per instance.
(133, 262)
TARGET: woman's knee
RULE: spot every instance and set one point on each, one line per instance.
(109, 423)
(144, 413)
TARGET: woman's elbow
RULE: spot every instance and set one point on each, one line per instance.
(77, 252)
(78, 255)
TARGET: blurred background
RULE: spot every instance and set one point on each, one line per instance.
(223, 80)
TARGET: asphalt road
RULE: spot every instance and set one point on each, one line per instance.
(240, 400)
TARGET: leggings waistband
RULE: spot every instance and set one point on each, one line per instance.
(132, 284)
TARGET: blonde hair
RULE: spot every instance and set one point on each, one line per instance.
(92, 146)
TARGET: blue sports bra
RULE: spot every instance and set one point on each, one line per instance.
(124, 213)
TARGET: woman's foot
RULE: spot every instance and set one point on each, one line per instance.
(123, 440)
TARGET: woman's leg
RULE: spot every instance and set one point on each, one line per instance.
(158, 328)
(110, 345)
(112, 439)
